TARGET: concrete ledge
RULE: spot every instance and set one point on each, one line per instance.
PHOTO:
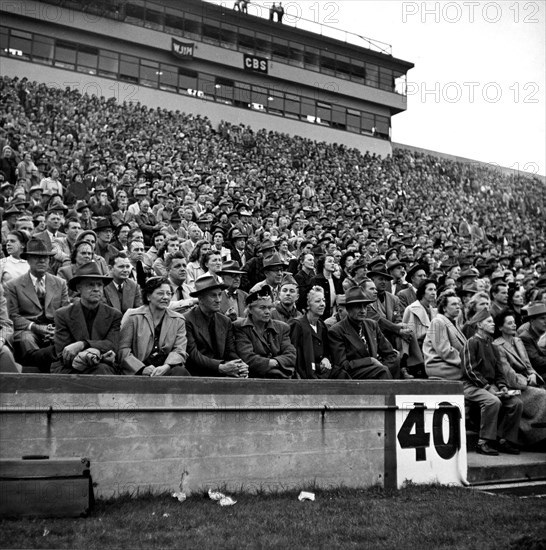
(165, 434)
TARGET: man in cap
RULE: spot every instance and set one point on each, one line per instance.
(239, 251)
(397, 270)
(10, 215)
(417, 274)
(532, 332)
(358, 345)
(87, 331)
(254, 267)
(285, 309)
(33, 299)
(121, 293)
(211, 346)
(233, 298)
(273, 270)
(105, 232)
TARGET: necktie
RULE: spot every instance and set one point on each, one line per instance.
(212, 332)
(362, 335)
(120, 293)
(40, 288)
(179, 293)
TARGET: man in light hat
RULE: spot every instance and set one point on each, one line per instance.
(32, 300)
(233, 298)
(253, 268)
(285, 309)
(531, 334)
(87, 324)
(273, 270)
(211, 345)
(358, 345)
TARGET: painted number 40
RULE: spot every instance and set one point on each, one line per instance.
(412, 434)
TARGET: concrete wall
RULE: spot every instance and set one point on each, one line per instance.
(216, 112)
(154, 434)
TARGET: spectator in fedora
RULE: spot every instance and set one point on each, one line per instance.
(254, 267)
(105, 233)
(263, 343)
(153, 337)
(233, 299)
(273, 267)
(87, 324)
(285, 309)
(33, 299)
(211, 346)
(358, 345)
(239, 250)
(532, 332)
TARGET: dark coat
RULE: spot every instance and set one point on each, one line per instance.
(131, 296)
(320, 280)
(202, 359)
(256, 350)
(537, 356)
(70, 327)
(349, 351)
(304, 338)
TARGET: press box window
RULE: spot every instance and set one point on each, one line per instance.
(65, 54)
(42, 49)
(128, 68)
(20, 44)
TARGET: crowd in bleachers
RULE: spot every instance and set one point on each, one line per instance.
(145, 241)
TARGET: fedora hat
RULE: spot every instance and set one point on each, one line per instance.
(36, 247)
(470, 288)
(273, 261)
(80, 205)
(205, 283)
(102, 224)
(375, 273)
(237, 234)
(392, 264)
(231, 268)
(359, 264)
(87, 271)
(375, 262)
(414, 269)
(356, 295)
(266, 245)
(535, 310)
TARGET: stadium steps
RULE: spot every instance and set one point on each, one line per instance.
(523, 475)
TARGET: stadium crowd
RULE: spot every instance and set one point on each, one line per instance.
(148, 242)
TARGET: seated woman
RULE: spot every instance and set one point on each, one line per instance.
(419, 314)
(444, 342)
(153, 337)
(477, 303)
(262, 343)
(194, 269)
(485, 385)
(82, 254)
(170, 245)
(309, 336)
(13, 266)
(211, 264)
(520, 375)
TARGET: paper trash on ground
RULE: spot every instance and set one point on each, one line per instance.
(304, 495)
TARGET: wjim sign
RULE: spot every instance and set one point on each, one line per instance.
(182, 49)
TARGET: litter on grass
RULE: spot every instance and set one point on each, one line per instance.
(304, 495)
(222, 499)
(45, 533)
(165, 515)
(181, 497)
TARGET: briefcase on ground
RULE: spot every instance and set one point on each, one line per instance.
(41, 486)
